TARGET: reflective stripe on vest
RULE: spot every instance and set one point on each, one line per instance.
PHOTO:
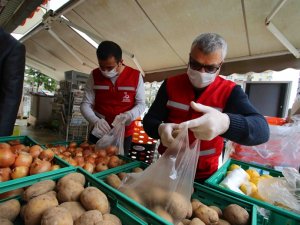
(207, 152)
(178, 105)
(101, 87)
(126, 88)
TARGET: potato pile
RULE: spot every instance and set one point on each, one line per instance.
(85, 156)
(18, 160)
(173, 207)
(64, 203)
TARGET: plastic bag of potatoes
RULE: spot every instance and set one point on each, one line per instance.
(166, 186)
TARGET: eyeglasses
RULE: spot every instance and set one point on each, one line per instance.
(207, 68)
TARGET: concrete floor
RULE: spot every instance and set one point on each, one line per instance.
(40, 134)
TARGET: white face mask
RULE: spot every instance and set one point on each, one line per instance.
(199, 79)
(109, 74)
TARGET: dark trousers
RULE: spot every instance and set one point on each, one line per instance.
(127, 142)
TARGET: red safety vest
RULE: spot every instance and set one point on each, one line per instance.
(111, 100)
(180, 93)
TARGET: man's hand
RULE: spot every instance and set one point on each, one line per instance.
(210, 125)
(167, 133)
(101, 127)
(124, 118)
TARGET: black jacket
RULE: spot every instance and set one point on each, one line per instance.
(12, 66)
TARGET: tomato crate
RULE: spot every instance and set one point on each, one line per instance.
(31, 179)
(125, 215)
(277, 215)
(126, 159)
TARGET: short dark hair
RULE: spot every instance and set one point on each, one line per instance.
(107, 49)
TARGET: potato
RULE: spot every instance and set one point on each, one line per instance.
(217, 209)
(122, 175)
(190, 210)
(185, 222)
(77, 177)
(37, 206)
(154, 196)
(163, 213)
(92, 198)
(10, 209)
(37, 189)
(196, 221)
(223, 222)
(113, 180)
(106, 222)
(236, 215)
(22, 211)
(112, 218)
(207, 215)
(5, 222)
(75, 208)
(89, 218)
(57, 216)
(69, 191)
(131, 193)
(137, 170)
(177, 205)
(195, 204)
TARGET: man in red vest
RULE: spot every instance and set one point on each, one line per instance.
(213, 108)
(113, 92)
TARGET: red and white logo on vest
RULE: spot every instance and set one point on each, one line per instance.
(126, 97)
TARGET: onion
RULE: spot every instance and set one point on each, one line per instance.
(7, 158)
(35, 151)
(101, 153)
(61, 148)
(79, 154)
(72, 161)
(79, 160)
(101, 167)
(11, 193)
(94, 155)
(113, 162)
(18, 148)
(14, 142)
(90, 159)
(73, 144)
(71, 149)
(4, 146)
(47, 155)
(111, 150)
(55, 167)
(5, 174)
(89, 167)
(20, 171)
(84, 145)
(23, 159)
(87, 152)
(67, 154)
(39, 166)
(78, 149)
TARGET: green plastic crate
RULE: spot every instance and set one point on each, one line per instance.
(278, 215)
(23, 140)
(66, 143)
(117, 209)
(203, 193)
(210, 196)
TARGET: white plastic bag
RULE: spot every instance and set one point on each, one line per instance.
(114, 138)
(167, 185)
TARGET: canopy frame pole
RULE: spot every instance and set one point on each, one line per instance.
(277, 33)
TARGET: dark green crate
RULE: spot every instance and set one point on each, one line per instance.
(117, 209)
(23, 140)
(278, 215)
